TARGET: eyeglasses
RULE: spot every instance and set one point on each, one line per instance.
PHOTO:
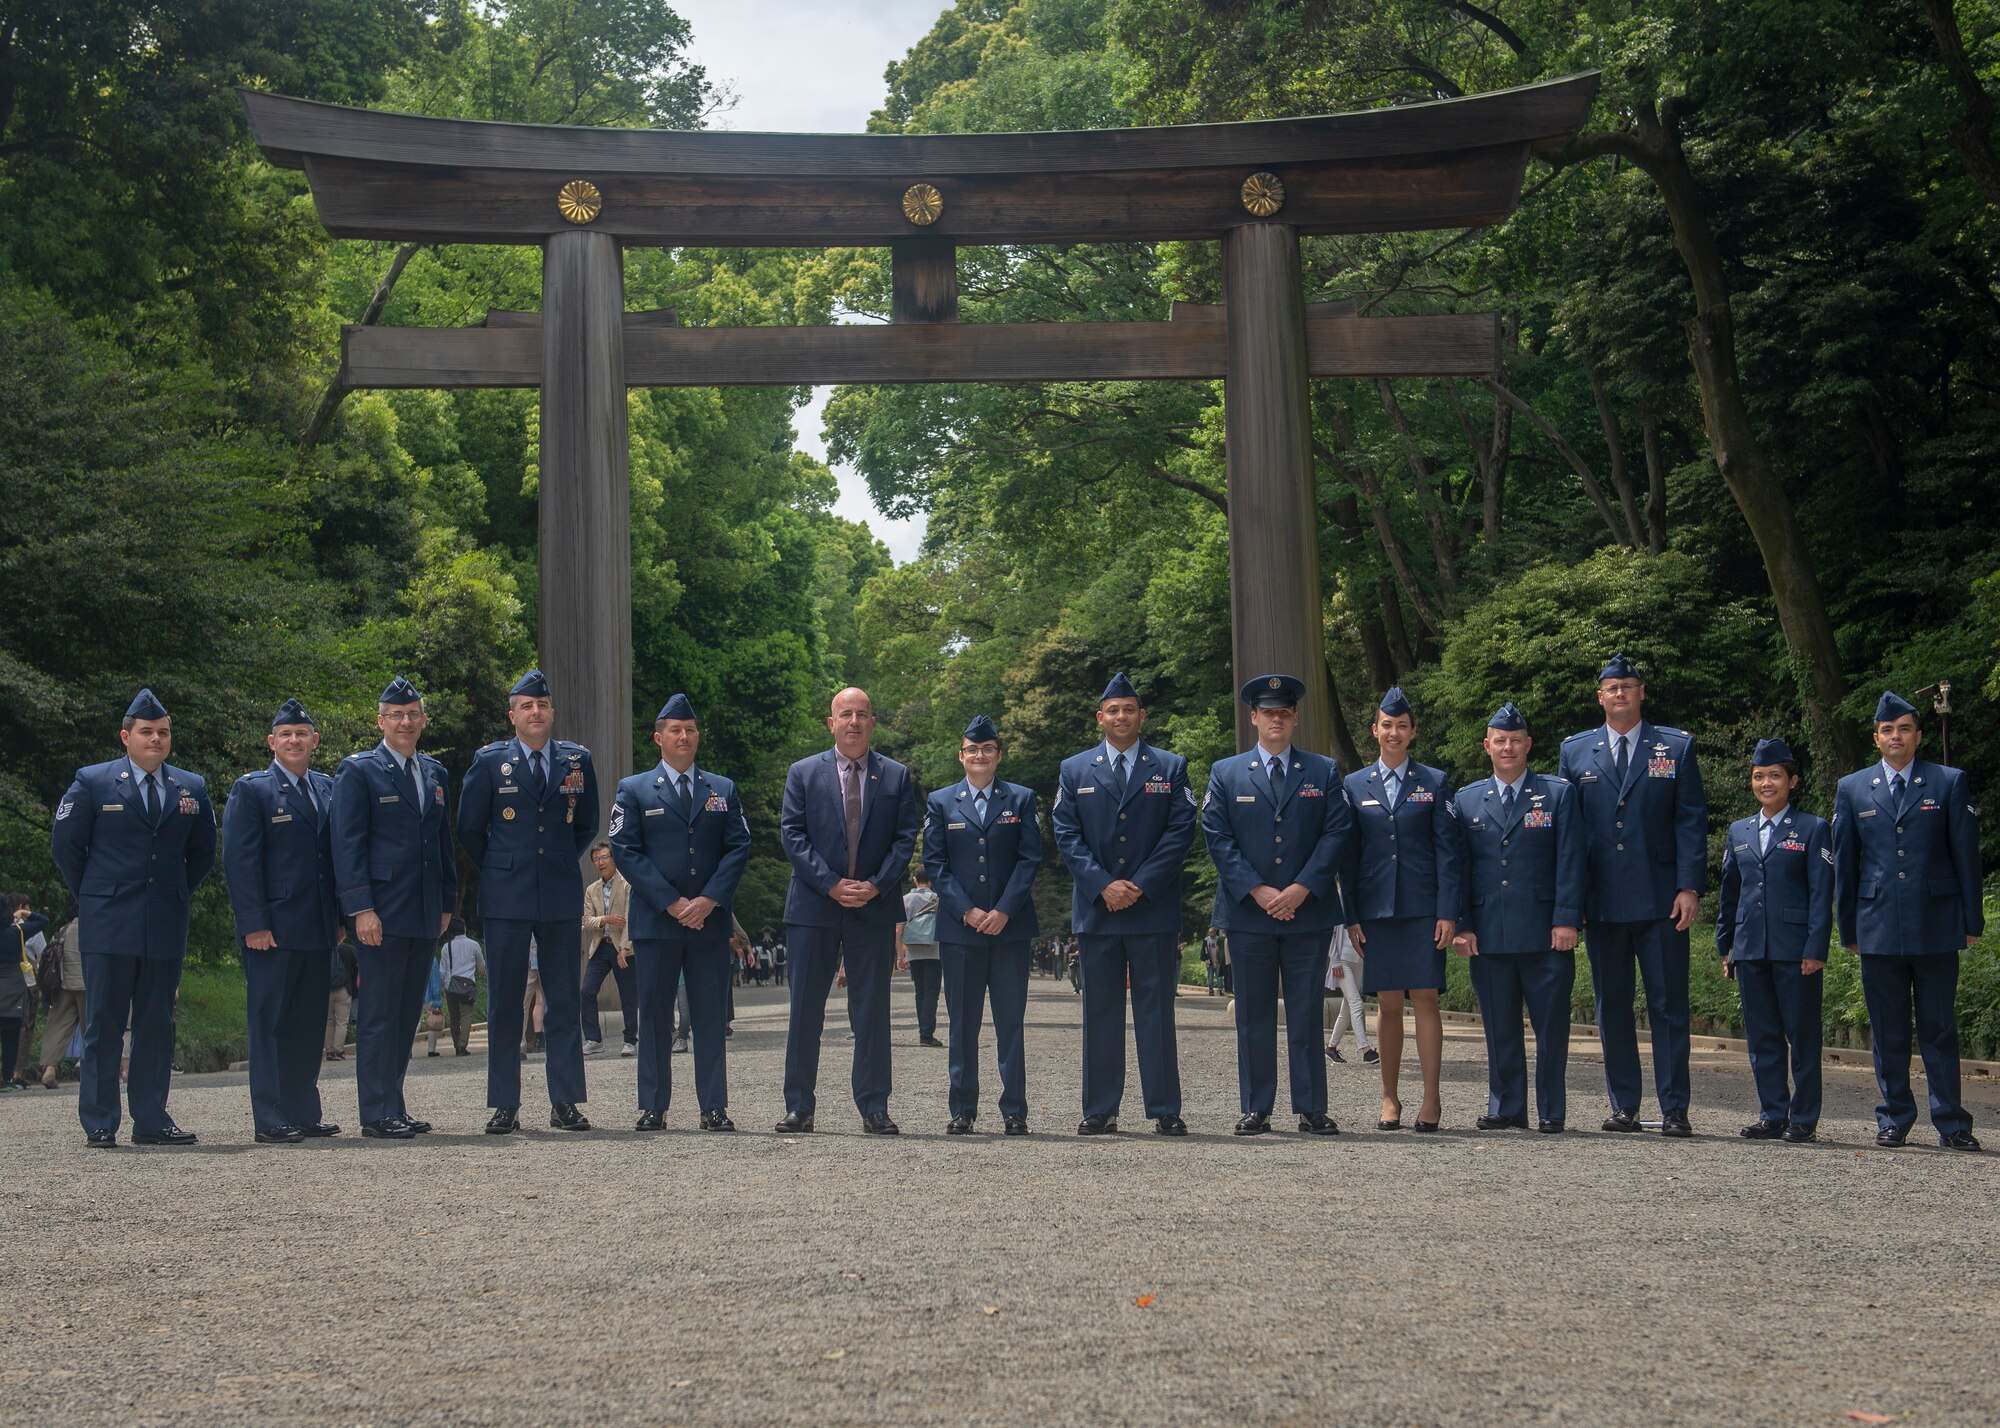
(405, 717)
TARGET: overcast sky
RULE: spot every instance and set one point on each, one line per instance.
(811, 66)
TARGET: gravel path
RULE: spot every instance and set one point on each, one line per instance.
(834, 1279)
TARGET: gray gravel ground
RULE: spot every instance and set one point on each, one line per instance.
(833, 1279)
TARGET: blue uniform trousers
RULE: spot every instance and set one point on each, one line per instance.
(971, 972)
(1153, 962)
(1543, 981)
(816, 954)
(1661, 955)
(604, 963)
(386, 1009)
(1262, 963)
(286, 994)
(1781, 1022)
(141, 990)
(1897, 990)
(662, 964)
(559, 957)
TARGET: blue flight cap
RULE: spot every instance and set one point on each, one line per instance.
(981, 731)
(675, 708)
(1508, 716)
(292, 712)
(1890, 706)
(400, 691)
(145, 705)
(1395, 703)
(1119, 688)
(1619, 667)
(1770, 752)
(1273, 691)
(532, 684)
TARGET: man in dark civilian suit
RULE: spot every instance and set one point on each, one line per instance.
(1906, 874)
(982, 848)
(527, 810)
(678, 835)
(849, 825)
(1124, 817)
(397, 880)
(277, 852)
(133, 839)
(1646, 832)
(1277, 825)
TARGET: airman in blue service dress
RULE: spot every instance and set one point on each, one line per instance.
(1124, 817)
(982, 848)
(849, 824)
(1399, 881)
(133, 839)
(1773, 930)
(1523, 902)
(679, 836)
(1646, 827)
(397, 879)
(1277, 828)
(277, 852)
(527, 810)
(1906, 878)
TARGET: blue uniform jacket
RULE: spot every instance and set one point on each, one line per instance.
(1257, 837)
(1909, 886)
(667, 856)
(1143, 837)
(392, 852)
(1402, 861)
(526, 850)
(1648, 839)
(132, 877)
(983, 866)
(813, 827)
(1778, 906)
(1524, 877)
(278, 856)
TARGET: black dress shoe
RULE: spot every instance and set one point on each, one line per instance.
(168, 1134)
(929, 1041)
(319, 1129)
(1764, 1130)
(1169, 1125)
(650, 1121)
(1256, 1123)
(717, 1121)
(1097, 1125)
(1550, 1127)
(1502, 1123)
(1014, 1125)
(280, 1135)
(1318, 1123)
(101, 1140)
(795, 1124)
(504, 1121)
(1891, 1136)
(417, 1127)
(1674, 1125)
(564, 1115)
(878, 1123)
(1624, 1122)
(388, 1130)
(1959, 1140)
(1796, 1134)
(961, 1124)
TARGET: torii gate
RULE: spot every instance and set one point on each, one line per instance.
(585, 195)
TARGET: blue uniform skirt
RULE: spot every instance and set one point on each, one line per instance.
(1401, 955)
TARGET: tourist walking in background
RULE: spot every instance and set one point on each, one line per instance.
(64, 1015)
(607, 947)
(1343, 985)
(343, 984)
(917, 953)
(461, 963)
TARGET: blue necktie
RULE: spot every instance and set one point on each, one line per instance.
(1896, 793)
(1118, 775)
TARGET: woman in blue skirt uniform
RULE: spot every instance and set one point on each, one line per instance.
(1400, 883)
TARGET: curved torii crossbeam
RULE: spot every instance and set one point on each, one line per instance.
(584, 195)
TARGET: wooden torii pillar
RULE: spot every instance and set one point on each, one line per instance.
(584, 195)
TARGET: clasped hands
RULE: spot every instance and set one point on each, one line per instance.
(1121, 894)
(691, 912)
(988, 920)
(1282, 906)
(853, 892)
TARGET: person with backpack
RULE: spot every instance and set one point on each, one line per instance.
(63, 996)
(917, 953)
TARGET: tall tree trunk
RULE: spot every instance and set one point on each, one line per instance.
(1344, 749)
(1369, 484)
(1654, 147)
(1591, 488)
(1972, 136)
(1621, 481)
(1656, 486)
(1444, 552)
(1489, 459)
(336, 390)
(1376, 657)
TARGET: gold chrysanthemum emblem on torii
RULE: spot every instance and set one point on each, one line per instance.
(1263, 193)
(922, 204)
(579, 201)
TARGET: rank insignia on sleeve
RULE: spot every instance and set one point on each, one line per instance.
(617, 817)
(63, 809)
(1827, 853)
(1188, 789)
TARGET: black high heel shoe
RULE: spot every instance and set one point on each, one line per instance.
(1427, 1127)
(1396, 1123)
